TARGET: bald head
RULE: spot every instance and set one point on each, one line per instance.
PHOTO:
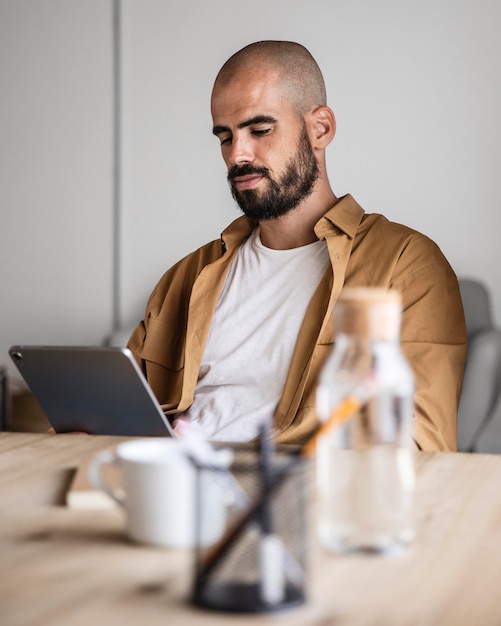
(299, 76)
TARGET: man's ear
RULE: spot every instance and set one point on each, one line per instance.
(323, 126)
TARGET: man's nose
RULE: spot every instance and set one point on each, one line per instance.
(241, 151)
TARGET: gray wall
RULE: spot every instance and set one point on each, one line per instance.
(55, 171)
(415, 87)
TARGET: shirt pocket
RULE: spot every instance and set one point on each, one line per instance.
(164, 343)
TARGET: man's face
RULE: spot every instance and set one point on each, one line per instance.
(266, 148)
(282, 195)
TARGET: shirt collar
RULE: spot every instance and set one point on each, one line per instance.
(237, 232)
(345, 216)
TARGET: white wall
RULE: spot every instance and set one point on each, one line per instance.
(55, 172)
(415, 87)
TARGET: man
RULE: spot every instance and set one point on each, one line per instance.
(237, 332)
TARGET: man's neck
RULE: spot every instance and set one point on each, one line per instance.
(296, 228)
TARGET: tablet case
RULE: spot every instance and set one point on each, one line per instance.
(98, 390)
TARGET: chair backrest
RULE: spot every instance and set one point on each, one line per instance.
(482, 377)
(476, 304)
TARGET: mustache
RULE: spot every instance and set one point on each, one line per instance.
(245, 170)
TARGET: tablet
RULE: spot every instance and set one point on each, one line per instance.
(97, 390)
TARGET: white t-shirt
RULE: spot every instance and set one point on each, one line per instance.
(252, 337)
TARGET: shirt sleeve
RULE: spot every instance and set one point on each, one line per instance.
(433, 337)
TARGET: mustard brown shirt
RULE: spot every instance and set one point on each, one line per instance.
(365, 250)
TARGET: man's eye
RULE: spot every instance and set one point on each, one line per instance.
(225, 140)
(260, 132)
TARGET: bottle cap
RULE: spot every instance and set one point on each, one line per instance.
(370, 312)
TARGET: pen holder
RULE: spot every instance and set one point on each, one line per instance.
(259, 563)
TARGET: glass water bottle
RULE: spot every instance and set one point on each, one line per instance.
(365, 467)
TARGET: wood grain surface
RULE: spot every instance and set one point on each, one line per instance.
(63, 566)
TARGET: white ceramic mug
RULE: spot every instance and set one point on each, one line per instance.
(160, 489)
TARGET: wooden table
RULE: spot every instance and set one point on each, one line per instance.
(74, 567)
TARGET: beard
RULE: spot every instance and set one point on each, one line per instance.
(295, 184)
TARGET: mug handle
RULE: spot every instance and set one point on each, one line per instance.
(105, 457)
